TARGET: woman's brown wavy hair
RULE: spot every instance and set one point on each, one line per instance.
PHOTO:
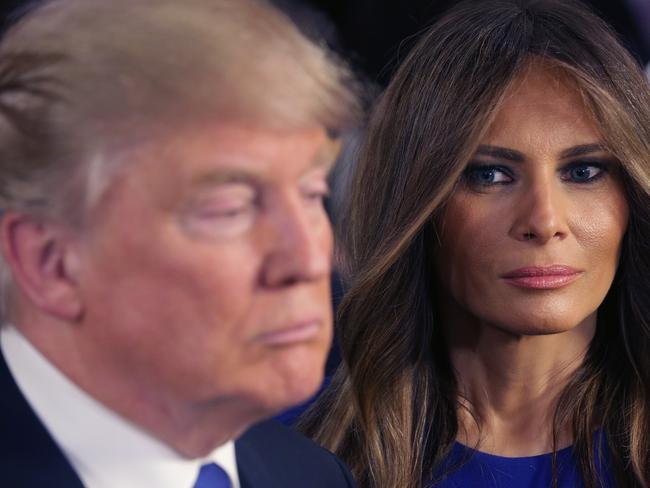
(390, 411)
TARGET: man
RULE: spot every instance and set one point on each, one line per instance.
(165, 280)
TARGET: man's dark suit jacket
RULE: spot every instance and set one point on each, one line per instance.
(269, 455)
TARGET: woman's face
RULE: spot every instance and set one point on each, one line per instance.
(530, 240)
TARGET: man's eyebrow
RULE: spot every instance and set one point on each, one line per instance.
(325, 158)
(501, 153)
(224, 176)
(582, 150)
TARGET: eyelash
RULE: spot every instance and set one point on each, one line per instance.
(471, 172)
(600, 166)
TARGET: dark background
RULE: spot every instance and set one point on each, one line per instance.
(375, 34)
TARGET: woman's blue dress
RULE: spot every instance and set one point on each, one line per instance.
(489, 471)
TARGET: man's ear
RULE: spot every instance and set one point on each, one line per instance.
(42, 263)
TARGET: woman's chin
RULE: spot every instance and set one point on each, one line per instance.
(542, 325)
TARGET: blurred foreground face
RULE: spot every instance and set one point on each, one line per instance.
(532, 236)
(205, 270)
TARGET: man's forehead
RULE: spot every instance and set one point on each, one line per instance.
(247, 171)
(232, 153)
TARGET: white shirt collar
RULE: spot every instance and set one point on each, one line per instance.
(105, 449)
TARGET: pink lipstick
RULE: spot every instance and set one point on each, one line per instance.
(542, 277)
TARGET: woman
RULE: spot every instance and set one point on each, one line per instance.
(496, 328)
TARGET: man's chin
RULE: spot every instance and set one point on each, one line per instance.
(289, 393)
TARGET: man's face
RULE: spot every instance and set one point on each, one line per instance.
(205, 270)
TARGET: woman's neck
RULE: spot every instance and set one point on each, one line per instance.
(509, 385)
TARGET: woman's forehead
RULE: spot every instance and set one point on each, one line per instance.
(539, 102)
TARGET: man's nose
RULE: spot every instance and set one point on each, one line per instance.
(541, 213)
(299, 247)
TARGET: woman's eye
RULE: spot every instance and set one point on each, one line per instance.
(487, 175)
(583, 173)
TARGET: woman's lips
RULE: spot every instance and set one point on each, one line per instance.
(542, 277)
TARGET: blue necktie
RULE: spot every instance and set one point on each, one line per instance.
(212, 476)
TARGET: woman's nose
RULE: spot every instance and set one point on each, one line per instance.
(540, 215)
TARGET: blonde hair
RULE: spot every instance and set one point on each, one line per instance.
(81, 80)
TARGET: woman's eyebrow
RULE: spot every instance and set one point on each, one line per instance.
(582, 150)
(516, 156)
(501, 153)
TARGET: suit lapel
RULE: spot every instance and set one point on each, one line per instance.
(252, 469)
(29, 457)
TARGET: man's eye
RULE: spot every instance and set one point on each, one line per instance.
(224, 213)
(317, 195)
(583, 173)
(316, 192)
(486, 175)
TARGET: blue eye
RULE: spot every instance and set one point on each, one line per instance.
(481, 175)
(583, 173)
